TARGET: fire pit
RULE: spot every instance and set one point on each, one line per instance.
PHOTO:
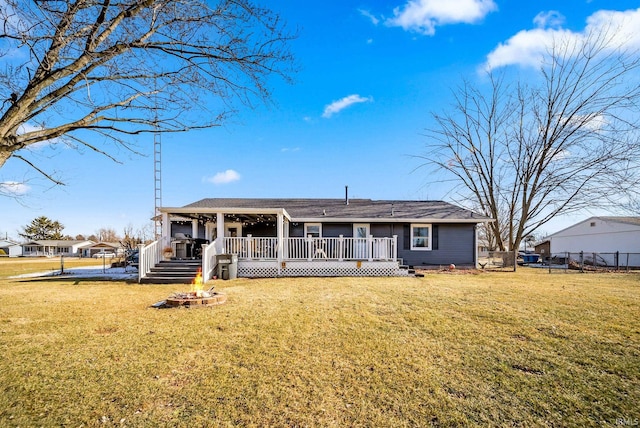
(196, 297)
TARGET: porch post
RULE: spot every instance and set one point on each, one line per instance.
(394, 249)
(166, 226)
(194, 229)
(370, 247)
(220, 233)
(208, 230)
(280, 246)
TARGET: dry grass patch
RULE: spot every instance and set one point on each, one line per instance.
(491, 349)
(10, 266)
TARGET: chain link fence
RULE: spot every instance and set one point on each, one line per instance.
(568, 261)
(498, 260)
(593, 262)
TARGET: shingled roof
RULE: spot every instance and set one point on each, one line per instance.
(325, 209)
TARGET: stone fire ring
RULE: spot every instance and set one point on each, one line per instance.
(214, 299)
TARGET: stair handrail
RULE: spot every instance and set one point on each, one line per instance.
(209, 254)
(150, 255)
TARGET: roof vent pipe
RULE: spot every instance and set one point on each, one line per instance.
(346, 195)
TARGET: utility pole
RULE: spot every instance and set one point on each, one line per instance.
(157, 180)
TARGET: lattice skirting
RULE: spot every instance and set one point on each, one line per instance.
(269, 269)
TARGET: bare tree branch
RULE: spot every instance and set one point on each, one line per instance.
(525, 153)
(126, 67)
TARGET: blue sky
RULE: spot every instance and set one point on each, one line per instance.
(371, 73)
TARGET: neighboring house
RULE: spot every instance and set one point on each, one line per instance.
(601, 235)
(10, 249)
(322, 237)
(483, 248)
(53, 247)
(543, 248)
(93, 248)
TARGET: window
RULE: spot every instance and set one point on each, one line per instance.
(313, 229)
(421, 237)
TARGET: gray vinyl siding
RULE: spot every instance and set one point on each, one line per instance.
(382, 230)
(334, 230)
(296, 230)
(455, 242)
(455, 245)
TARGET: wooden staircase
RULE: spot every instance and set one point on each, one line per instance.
(173, 272)
(411, 271)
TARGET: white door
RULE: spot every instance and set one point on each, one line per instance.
(360, 234)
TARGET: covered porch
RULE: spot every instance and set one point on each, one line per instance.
(264, 248)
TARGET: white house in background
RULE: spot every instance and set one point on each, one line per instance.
(609, 237)
(10, 248)
(53, 247)
(599, 235)
(92, 249)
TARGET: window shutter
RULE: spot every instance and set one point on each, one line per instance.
(434, 238)
(406, 245)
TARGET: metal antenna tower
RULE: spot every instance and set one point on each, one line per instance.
(157, 179)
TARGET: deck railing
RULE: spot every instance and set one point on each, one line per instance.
(209, 260)
(340, 248)
(150, 255)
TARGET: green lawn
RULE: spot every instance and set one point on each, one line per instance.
(490, 349)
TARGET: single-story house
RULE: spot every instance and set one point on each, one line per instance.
(93, 248)
(53, 247)
(603, 235)
(319, 237)
(10, 249)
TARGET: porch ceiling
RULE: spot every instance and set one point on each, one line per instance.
(229, 217)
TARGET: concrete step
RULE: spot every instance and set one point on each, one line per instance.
(180, 263)
(166, 280)
(173, 272)
(175, 269)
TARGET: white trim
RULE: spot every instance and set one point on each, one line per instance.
(306, 229)
(226, 210)
(367, 227)
(429, 236)
(233, 225)
(387, 220)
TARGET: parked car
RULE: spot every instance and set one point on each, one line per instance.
(103, 254)
(133, 257)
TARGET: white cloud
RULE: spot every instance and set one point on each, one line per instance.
(528, 47)
(223, 177)
(374, 20)
(549, 19)
(13, 188)
(339, 105)
(622, 25)
(422, 16)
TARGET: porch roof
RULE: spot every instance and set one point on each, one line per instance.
(337, 210)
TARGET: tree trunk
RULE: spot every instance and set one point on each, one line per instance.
(4, 156)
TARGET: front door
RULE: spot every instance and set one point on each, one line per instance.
(360, 234)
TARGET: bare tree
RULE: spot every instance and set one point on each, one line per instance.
(91, 72)
(524, 153)
(107, 234)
